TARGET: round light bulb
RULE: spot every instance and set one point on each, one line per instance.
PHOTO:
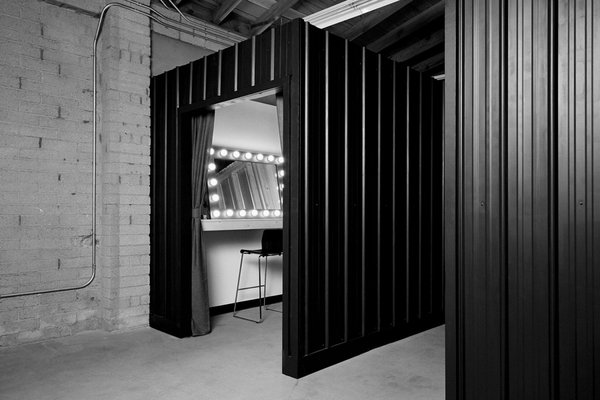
(270, 158)
(281, 173)
(242, 213)
(223, 153)
(254, 213)
(281, 187)
(259, 157)
(216, 213)
(214, 197)
(276, 213)
(248, 156)
(229, 213)
(236, 154)
(212, 166)
(280, 160)
(212, 182)
(265, 213)
(212, 151)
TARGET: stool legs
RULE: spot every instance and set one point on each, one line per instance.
(260, 285)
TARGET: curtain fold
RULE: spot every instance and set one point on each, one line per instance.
(279, 103)
(202, 133)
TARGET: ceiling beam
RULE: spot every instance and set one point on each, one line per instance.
(414, 24)
(373, 18)
(429, 63)
(344, 11)
(226, 8)
(267, 18)
(419, 58)
(418, 47)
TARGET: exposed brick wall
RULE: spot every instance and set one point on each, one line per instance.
(45, 170)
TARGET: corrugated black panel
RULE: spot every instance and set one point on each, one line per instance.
(522, 200)
(213, 75)
(369, 188)
(578, 203)
(359, 211)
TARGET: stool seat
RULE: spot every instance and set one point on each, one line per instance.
(271, 246)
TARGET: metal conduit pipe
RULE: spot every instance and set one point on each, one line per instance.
(160, 19)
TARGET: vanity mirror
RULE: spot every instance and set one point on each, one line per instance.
(244, 184)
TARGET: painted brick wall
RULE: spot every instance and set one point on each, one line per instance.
(45, 170)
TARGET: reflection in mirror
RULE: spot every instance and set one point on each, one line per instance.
(244, 185)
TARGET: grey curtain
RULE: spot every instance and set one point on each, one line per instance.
(279, 103)
(202, 133)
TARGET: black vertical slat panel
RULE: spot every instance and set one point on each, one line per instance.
(158, 255)
(263, 57)
(316, 264)
(184, 84)
(578, 56)
(212, 75)
(425, 202)
(354, 191)
(197, 76)
(293, 285)
(401, 193)
(413, 242)
(437, 198)
(172, 275)
(336, 156)
(454, 368)
(244, 64)
(386, 193)
(370, 196)
(282, 47)
(522, 281)
(228, 70)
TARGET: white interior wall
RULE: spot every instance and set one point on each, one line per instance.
(248, 126)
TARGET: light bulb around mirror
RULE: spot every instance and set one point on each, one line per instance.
(281, 173)
(276, 213)
(281, 187)
(254, 213)
(229, 213)
(212, 182)
(259, 157)
(280, 160)
(216, 214)
(270, 158)
(214, 197)
(223, 153)
(212, 166)
(248, 156)
(242, 213)
(236, 154)
(265, 213)
(212, 151)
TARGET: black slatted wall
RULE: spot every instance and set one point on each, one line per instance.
(252, 66)
(372, 201)
(522, 199)
(363, 199)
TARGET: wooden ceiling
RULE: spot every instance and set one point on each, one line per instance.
(410, 31)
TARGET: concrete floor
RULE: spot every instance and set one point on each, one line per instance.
(239, 360)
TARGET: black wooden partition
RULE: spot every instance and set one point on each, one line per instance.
(522, 199)
(363, 203)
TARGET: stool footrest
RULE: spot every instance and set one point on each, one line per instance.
(251, 287)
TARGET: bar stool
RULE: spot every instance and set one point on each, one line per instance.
(271, 245)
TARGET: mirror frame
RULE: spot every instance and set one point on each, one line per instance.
(223, 153)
